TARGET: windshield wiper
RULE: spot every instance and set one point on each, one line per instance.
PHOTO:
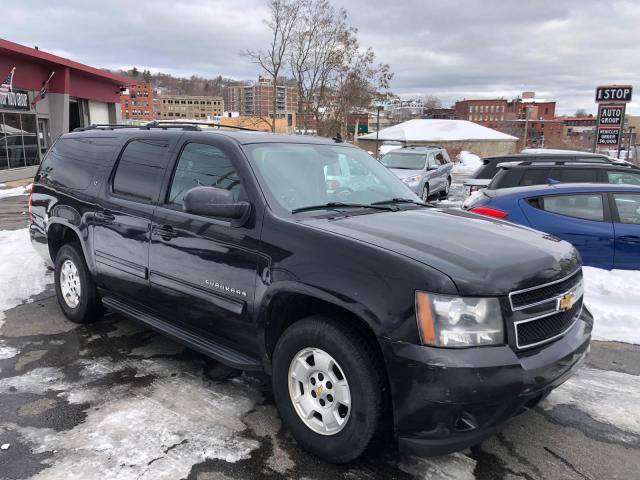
(333, 205)
(400, 200)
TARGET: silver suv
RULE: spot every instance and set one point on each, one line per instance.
(426, 170)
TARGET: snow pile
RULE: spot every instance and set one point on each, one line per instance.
(22, 271)
(467, 163)
(613, 299)
(429, 130)
(13, 192)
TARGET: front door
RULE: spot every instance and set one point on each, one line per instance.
(122, 221)
(203, 270)
(432, 174)
(627, 230)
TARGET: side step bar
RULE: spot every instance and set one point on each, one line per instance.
(206, 346)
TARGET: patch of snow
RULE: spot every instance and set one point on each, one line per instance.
(13, 192)
(613, 299)
(22, 270)
(471, 198)
(455, 466)
(7, 352)
(605, 395)
(467, 164)
(384, 149)
(5, 446)
(180, 419)
(429, 130)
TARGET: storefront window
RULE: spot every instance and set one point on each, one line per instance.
(18, 140)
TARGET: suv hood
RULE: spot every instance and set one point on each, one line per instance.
(404, 173)
(482, 256)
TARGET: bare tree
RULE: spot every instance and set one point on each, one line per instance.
(431, 101)
(283, 19)
(320, 42)
(581, 112)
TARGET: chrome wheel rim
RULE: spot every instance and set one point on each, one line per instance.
(70, 284)
(319, 391)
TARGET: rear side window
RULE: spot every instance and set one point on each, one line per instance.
(72, 162)
(140, 169)
(623, 177)
(440, 159)
(587, 206)
(578, 175)
(535, 176)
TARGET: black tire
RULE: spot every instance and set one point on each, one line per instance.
(445, 193)
(89, 307)
(425, 193)
(363, 371)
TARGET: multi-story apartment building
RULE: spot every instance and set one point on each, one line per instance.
(256, 100)
(136, 103)
(190, 107)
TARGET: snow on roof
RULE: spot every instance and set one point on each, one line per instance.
(437, 131)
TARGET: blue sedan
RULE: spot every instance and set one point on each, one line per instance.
(602, 221)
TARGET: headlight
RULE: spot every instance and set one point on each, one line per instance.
(446, 321)
(415, 178)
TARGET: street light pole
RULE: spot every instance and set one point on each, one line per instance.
(378, 107)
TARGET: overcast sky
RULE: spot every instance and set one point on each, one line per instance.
(452, 49)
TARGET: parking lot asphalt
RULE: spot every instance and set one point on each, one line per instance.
(112, 400)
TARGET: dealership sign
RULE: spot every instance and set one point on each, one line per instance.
(15, 100)
(612, 100)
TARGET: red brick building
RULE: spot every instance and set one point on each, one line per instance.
(137, 102)
(488, 113)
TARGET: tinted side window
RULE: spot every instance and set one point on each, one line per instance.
(440, 159)
(535, 176)
(202, 165)
(72, 162)
(623, 177)
(578, 175)
(628, 205)
(588, 206)
(140, 169)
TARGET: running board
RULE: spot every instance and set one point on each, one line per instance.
(206, 346)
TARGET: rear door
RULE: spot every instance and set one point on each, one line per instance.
(622, 176)
(122, 221)
(626, 217)
(203, 270)
(433, 174)
(582, 219)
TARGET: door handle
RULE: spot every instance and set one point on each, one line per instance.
(630, 239)
(105, 217)
(166, 232)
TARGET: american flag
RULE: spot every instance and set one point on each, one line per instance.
(6, 86)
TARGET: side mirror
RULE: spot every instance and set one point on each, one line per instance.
(214, 202)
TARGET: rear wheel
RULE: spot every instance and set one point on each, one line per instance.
(327, 383)
(447, 188)
(75, 289)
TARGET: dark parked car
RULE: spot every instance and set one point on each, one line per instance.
(601, 221)
(425, 170)
(234, 244)
(490, 165)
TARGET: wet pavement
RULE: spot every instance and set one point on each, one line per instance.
(112, 400)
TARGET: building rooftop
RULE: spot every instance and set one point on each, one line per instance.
(438, 131)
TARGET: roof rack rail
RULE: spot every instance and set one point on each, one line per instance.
(161, 124)
(410, 145)
(194, 126)
(538, 163)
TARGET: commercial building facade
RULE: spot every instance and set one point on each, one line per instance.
(190, 107)
(77, 96)
(136, 103)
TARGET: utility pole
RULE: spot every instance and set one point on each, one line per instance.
(624, 109)
(378, 108)
(527, 109)
(629, 135)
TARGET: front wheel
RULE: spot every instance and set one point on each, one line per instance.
(447, 188)
(425, 192)
(327, 383)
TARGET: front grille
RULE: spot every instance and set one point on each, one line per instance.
(544, 293)
(532, 332)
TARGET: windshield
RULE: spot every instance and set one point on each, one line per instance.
(403, 160)
(295, 176)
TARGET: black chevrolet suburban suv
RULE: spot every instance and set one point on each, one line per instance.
(368, 308)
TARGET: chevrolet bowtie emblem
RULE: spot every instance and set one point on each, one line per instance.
(566, 302)
(319, 391)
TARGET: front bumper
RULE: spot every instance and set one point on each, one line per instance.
(446, 400)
